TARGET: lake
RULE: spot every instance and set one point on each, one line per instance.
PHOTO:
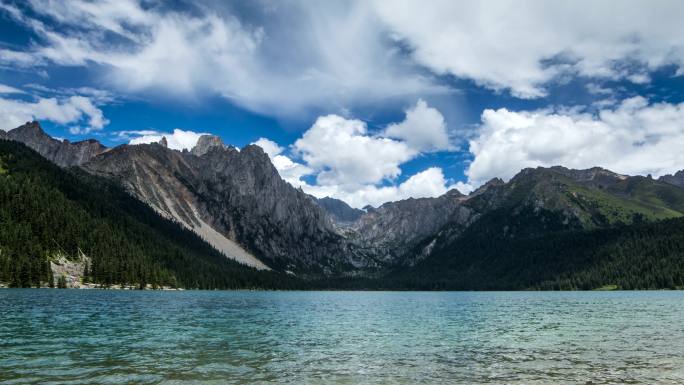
(194, 337)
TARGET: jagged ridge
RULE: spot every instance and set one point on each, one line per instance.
(238, 202)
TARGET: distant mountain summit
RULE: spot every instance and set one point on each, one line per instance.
(339, 211)
(677, 179)
(237, 202)
(63, 153)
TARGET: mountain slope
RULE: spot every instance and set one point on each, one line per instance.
(534, 202)
(545, 228)
(48, 213)
(558, 228)
(233, 199)
(640, 256)
(237, 194)
(393, 229)
(150, 172)
(583, 201)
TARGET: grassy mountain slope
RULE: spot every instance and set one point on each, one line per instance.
(46, 211)
(585, 204)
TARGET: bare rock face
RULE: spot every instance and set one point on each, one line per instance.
(205, 143)
(677, 179)
(233, 199)
(63, 153)
(340, 212)
(395, 228)
(72, 271)
(237, 195)
(245, 196)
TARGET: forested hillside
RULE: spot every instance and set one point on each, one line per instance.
(46, 211)
(638, 256)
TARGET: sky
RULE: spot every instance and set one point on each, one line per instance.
(365, 101)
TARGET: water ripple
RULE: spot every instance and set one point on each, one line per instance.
(116, 337)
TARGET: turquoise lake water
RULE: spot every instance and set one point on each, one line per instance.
(119, 337)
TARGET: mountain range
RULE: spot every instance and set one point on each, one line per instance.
(504, 235)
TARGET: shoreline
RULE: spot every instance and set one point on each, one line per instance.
(90, 286)
(168, 288)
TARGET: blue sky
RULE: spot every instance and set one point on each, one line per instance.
(367, 101)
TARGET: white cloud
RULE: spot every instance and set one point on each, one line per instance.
(334, 55)
(424, 184)
(361, 168)
(5, 89)
(177, 140)
(424, 129)
(270, 147)
(597, 89)
(74, 109)
(290, 171)
(634, 137)
(96, 119)
(328, 55)
(523, 45)
(343, 153)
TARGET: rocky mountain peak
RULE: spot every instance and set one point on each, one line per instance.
(339, 211)
(30, 129)
(368, 208)
(30, 133)
(590, 174)
(454, 193)
(62, 153)
(164, 142)
(677, 179)
(255, 152)
(492, 183)
(205, 143)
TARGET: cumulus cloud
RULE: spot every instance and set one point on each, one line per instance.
(424, 129)
(361, 167)
(427, 183)
(634, 137)
(291, 172)
(522, 46)
(342, 153)
(71, 110)
(177, 140)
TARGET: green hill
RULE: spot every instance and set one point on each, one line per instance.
(587, 199)
(555, 228)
